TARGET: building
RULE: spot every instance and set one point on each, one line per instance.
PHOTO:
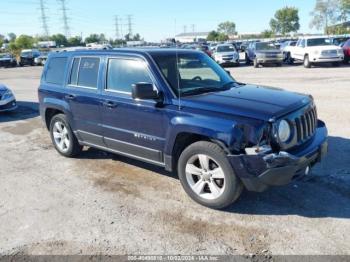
(191, 37)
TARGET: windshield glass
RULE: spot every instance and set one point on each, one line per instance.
(318, 42)
(266, 46)
(195, 73)
(226, 48)
(5, 56)
(26, 54)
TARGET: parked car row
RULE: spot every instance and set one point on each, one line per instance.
(28, 57)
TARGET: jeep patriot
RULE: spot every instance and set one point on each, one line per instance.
(180, 110)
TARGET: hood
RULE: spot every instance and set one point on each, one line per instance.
(227, 53)
(3, 89)
(258, 102)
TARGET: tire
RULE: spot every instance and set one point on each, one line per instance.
(256, 64)
(213, 193)
(307, 63)
(70, 147)
(247, 60)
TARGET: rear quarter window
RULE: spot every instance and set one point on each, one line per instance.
(55, 70)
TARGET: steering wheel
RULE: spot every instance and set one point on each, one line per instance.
(197, 78)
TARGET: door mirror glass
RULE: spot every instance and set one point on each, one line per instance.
(144, 91)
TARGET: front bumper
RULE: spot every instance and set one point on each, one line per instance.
(327, 59)
(8, 105)
(259, 172)
(228, 62)
(270, 60)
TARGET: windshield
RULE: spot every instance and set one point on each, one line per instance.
(195, 73)
(318, 42)
(226, 48)
(266, 46)
(5, 56)
(26, 54)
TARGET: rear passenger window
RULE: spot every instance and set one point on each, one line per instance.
(55, 70)
(85, 72)
(123, 73)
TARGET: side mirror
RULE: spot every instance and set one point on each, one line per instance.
(144, 91)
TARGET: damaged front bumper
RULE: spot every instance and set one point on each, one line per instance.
(259, 172)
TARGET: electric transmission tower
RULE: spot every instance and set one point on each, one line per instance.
(64, 17)
(44, 19)
(130, 24)
(117, 28)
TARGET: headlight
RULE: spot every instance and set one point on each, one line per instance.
(340, 52)
(284, 131)
(8, 94)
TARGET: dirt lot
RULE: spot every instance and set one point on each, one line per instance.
(103, 203)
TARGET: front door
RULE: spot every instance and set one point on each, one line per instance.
(134, 128)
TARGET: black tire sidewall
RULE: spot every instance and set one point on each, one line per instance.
(232, 183)
(72, 150)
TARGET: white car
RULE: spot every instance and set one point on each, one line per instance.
(226, 54)
(314, 50)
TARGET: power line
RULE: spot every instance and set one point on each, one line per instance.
(64, 17)
(118, 28)
(44, 19)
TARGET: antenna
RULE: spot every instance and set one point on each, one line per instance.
(177, 69)
(44, 19)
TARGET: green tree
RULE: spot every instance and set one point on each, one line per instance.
(228, 28)
(286, 20)
(75, 41)
(344, 10)
(267, 34)
(212, 36)
(60, 39)
(324, 14)
(24, 42)
(11, 37)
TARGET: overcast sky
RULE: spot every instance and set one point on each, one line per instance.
(153, 19)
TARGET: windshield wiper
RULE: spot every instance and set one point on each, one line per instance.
(232, 84)
(204, 90)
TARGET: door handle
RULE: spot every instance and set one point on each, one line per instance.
(70, 97)
(110, 104)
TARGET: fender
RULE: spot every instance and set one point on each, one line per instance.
(231, 134)
(58, 104)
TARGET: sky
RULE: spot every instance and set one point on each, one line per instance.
(154, 20)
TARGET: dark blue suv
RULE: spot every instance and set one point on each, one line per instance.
(180, 110)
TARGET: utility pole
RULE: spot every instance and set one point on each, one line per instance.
(193, 28)
(185, 29)
(130, 24)
(64, 17)
(44, 19)
(117, 32)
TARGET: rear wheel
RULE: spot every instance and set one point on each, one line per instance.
(307, 63)
(207, 176)
(63, 138)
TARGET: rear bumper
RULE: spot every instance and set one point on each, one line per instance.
(259, 172)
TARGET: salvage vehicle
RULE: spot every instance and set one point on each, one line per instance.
(180, 110)
(41, 60)
(285, 48)
(262, 53)
(7, 60)
(316, 50)
(346, 50)
(7, 99)
(28, 56)
(226, 55)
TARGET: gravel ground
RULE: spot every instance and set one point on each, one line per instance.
(107, 204)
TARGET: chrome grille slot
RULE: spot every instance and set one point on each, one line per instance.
(306, 125)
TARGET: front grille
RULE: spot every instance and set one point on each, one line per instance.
(306, 125)
(329, 53)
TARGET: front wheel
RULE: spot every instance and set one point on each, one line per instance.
(63, 138)
(307, 63)
(256, 63)
(207, 176)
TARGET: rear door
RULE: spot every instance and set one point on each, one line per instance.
(83, 97)
(133, 127)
